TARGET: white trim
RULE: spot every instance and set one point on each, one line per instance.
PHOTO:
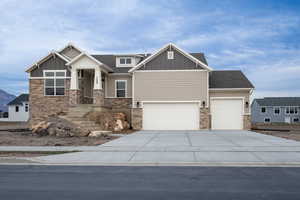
(132, 91)
(119, 74)
(163, 49)
(45, 58)
(142, 102)
(120, 65)
(243, 99)
(263, 113)
(41, 77)
(117, 97)
(92, 58)
(54, 78)
(207, 99)
(70, 45)
(184, 70)
(274, 110)
(116, 88)
(230, 88)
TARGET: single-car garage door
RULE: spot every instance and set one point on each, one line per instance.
(170, 116)
(227, 114)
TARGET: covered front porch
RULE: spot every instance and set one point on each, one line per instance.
(87, 81)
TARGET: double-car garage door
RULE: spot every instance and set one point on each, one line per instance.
(170, 116)
(225, 114)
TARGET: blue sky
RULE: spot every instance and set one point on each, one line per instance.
(261, 38)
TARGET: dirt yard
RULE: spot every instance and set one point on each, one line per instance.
(25, 138)
(292, 135)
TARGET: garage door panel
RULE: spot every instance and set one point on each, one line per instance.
(170, 116)
(227, 114)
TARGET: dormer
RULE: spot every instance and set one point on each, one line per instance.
(128, 60)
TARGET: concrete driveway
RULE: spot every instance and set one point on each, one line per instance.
(188, 148)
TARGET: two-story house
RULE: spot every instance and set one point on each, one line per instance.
(170, 89)
(276, 109)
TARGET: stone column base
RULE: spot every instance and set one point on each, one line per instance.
(137, 118)
(98, 96)
(247, 122)
(204, 118)
(74, 97)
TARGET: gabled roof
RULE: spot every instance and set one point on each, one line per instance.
(279, 101)
(92, 58)
(53, 53)
(170, 45)
(229, 79)
(68, 46)
(19, 100)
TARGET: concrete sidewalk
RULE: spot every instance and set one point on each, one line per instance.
(228, 148)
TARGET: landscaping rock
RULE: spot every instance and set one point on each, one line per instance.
(55, 126)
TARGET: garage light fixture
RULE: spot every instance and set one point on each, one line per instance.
(203, 104)
(137, 104)
(247, 104)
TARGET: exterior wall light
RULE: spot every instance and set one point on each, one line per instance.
(247, 104)
(203, 104)
(137, 104)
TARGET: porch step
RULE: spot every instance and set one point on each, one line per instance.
(77, 114)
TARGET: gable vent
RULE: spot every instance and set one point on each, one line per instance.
(170, 55)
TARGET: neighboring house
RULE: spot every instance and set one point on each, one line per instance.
(167, 90)
(18, 109)
(276, 109)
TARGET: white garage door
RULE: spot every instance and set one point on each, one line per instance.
(227, 114)
(170, 116)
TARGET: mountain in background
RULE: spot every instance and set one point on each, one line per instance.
(5, 98)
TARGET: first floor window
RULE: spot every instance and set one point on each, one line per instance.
(267, 120)
(17, 108)
(54, 83)
(120, 88)
(296, 120)
(26, 107)
(263, 110)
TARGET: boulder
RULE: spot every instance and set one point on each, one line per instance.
(55, 126)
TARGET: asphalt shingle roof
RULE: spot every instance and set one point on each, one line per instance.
(229, 79)
(19, 100)
(279, 101)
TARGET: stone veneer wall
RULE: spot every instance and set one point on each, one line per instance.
(204, 118)
(247, 122)
(75, 97)
(137, 118)
(120, 105)
(42, 106)
(98, 97)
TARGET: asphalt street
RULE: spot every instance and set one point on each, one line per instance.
(93, 182)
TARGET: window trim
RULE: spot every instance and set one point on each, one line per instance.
(296, 118)
(170, 55)
(275, 109)
(118, 60)
(17, 109)
(294, 107)
(54, 77)
(263, 113)
(267, 118)
(119, 80)
(26, 107)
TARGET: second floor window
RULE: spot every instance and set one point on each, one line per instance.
(263, 110)
(121, 88)
(125, 61)
(54, 82)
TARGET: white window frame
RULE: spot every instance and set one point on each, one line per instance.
(54, 77)
(296, 118)
(170, 55)
(294, 107)
(116, 88)
(26, 107)
(275, 109)
(126, 64)
(267, 118)
(265, 110)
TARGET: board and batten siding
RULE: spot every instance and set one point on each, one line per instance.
(161, 62)
(170, 86)
(232, 93)
(111, 85)
(53, 63)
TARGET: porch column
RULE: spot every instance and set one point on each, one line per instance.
(98, 94)
(74, 92)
